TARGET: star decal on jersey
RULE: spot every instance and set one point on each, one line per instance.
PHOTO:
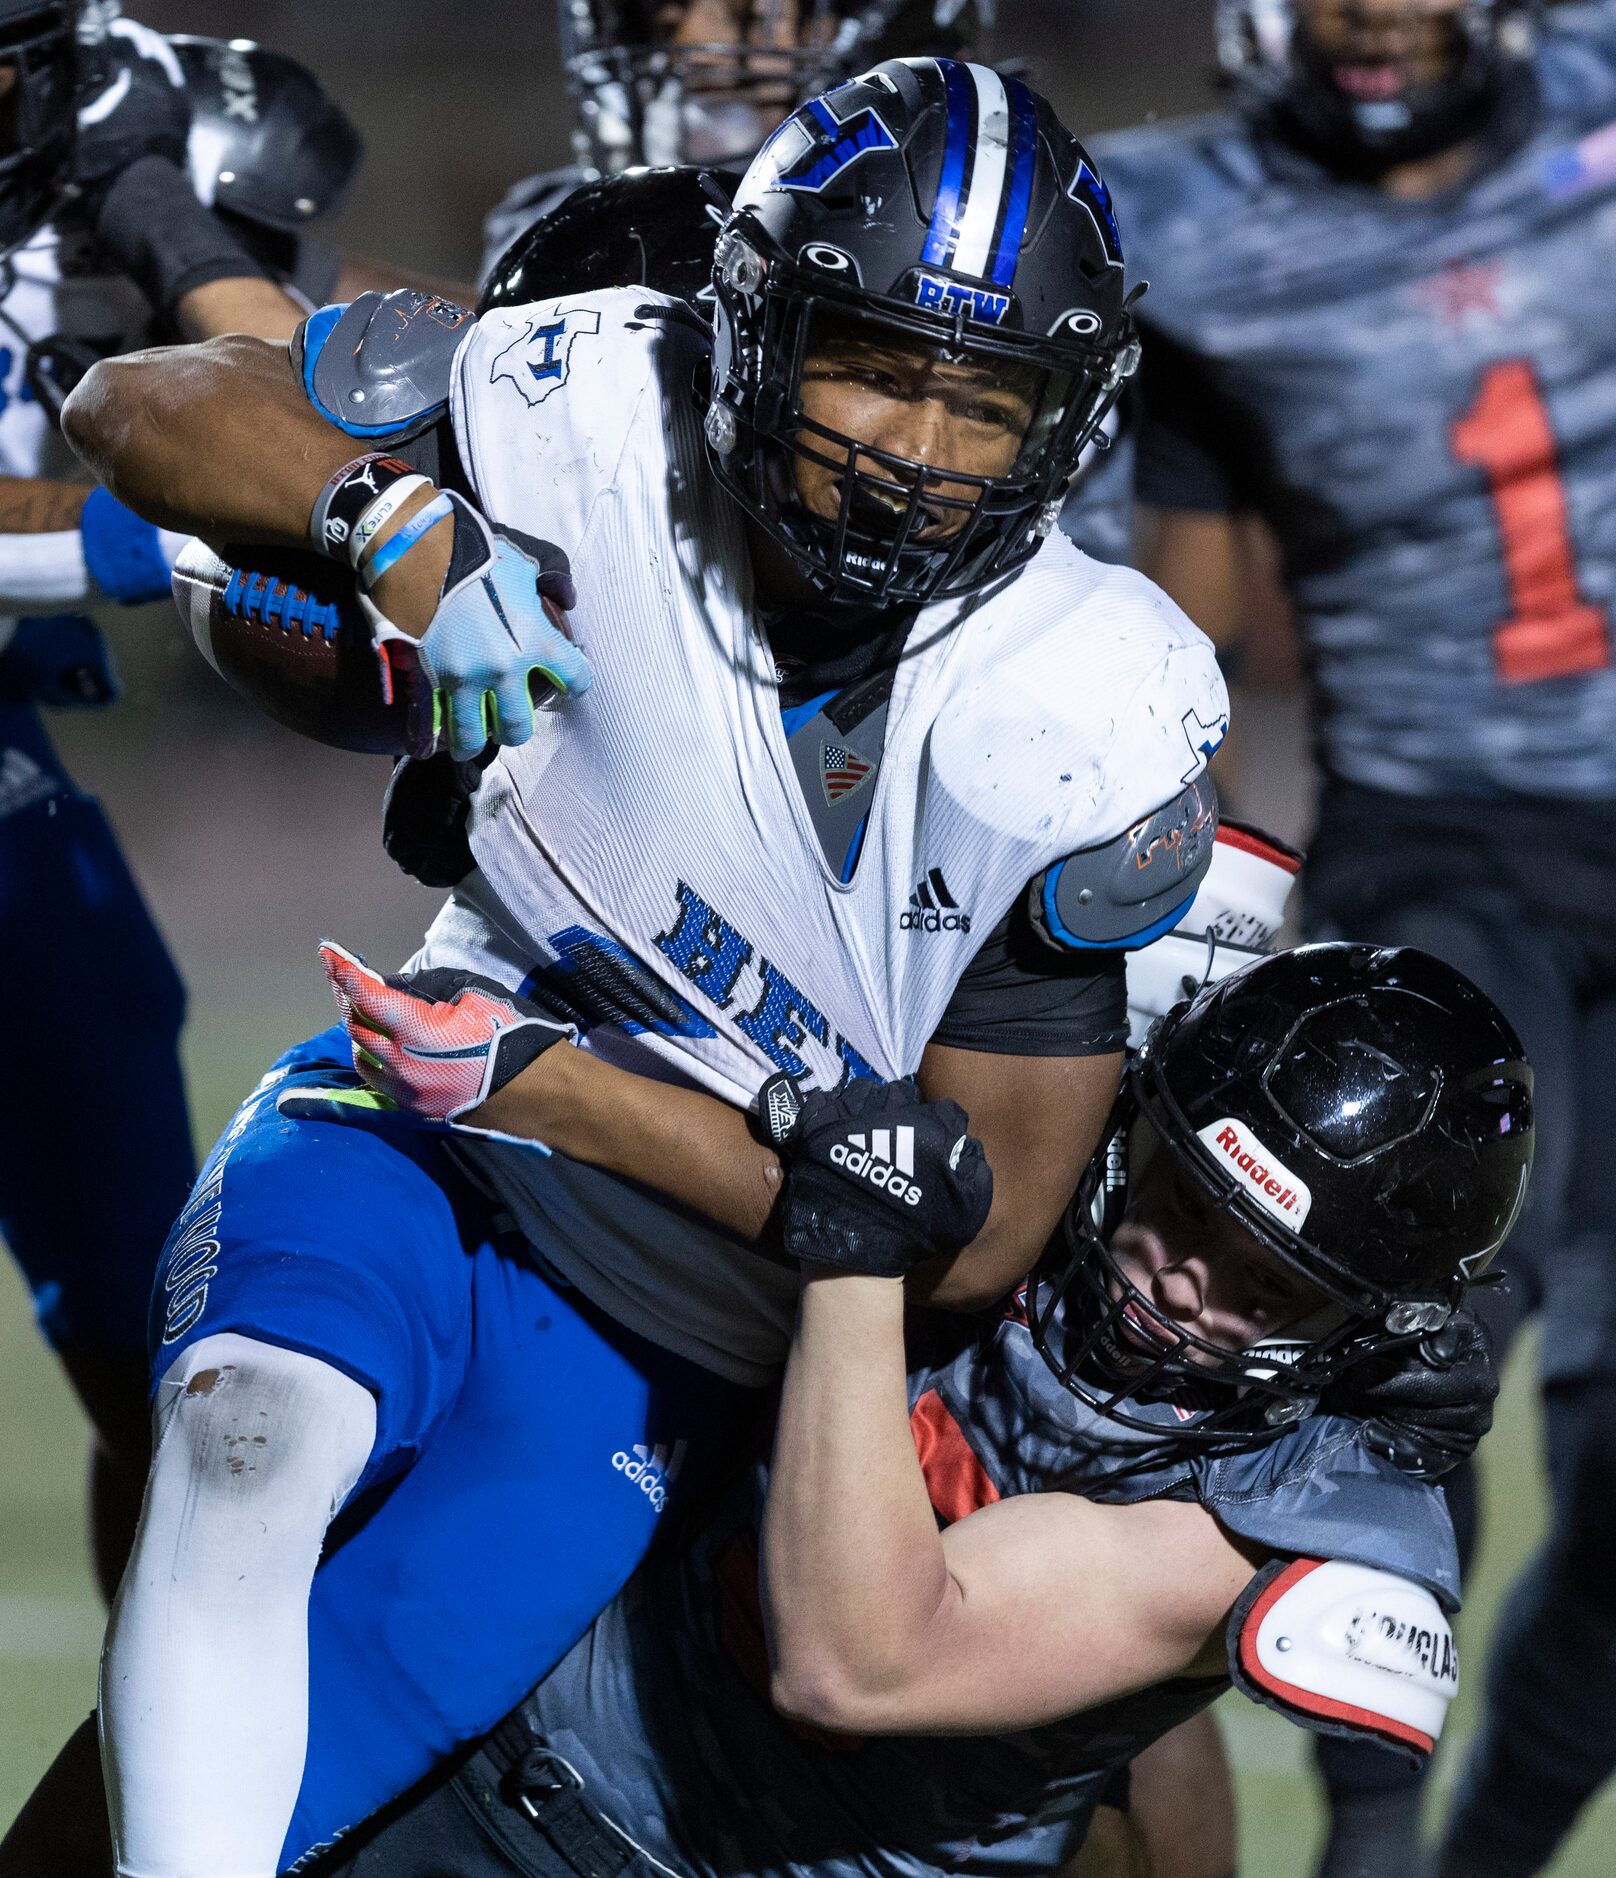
(1465, 288)
(841, 771)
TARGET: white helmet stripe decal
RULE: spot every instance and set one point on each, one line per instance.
(979, 215)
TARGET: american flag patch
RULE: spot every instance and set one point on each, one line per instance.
(841, 770)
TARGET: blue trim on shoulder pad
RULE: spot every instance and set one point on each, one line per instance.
(794, 716)
(317, 329)
(1130, 943)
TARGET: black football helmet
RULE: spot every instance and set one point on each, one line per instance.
(1365, 1114)
(645, 98)
(932, 202)
(1271, 52)
(36, 114)
(641, 228)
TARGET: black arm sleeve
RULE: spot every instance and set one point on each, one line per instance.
(1019, 997)
(1195, 448)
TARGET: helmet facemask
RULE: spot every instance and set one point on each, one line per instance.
(647, 96)
(1370, 84)
(870, 525)
(36, 119)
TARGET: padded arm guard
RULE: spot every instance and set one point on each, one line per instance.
(1346, 1650)
(1129, 891)
(379, 367)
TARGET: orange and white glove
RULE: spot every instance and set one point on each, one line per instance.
(436, 1043)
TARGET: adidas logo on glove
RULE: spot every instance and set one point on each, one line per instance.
(874, 1159)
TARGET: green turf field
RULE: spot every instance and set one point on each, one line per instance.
(50, 1621)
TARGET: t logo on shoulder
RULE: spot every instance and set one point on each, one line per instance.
(1270, 1182)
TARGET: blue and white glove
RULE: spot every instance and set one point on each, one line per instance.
(496, 626)
(130, 560)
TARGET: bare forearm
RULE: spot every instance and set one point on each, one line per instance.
(32, 506)
(853, 1570)
(250, 305)
(694, 1148)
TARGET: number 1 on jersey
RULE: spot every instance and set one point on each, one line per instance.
(1551, 631)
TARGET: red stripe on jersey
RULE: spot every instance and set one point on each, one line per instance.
(1308, 1701)
(956, 1480)
(1251, 840)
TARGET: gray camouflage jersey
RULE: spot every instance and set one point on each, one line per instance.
(1420, 397)
(663, 1707)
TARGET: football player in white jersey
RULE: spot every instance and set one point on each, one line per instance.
(105, 244)
(874, 776)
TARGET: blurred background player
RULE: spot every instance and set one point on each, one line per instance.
(112, 143)
(1377, 321)
(660, 82)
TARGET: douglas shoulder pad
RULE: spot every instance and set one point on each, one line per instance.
(379, 367)
(1346, 1650)
(266, 141)
(1129, 891)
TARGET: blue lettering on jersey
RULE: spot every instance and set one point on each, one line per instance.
(935, 295)
(23, 392)
(1088, 189)
(594, 980)
(712, 954)
(823, 145)
(537, 362)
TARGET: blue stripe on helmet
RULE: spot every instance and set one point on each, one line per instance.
(945, 216)
(1023, 167)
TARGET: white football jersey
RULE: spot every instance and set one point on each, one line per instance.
(647, 861)
(56, 289)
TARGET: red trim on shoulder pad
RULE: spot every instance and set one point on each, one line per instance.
(1265, 846)
(1306, 1700)
(956, 1480)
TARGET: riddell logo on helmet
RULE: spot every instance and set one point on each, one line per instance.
(1270, 1182)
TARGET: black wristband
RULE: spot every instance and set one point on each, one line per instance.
(346, 496)
(155, 230)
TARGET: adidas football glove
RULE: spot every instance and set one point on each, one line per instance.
(1425, 1406)
(436, 1043)
(475, 665)
(877, 1180)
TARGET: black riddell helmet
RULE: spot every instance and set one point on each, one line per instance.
(1366, 125)
(939, 207)
(1364, 1114)
(643, 98)
(36, 114)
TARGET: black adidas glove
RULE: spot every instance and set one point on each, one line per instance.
(1427, 1406)
(877, 1179)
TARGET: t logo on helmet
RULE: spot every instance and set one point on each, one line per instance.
(827, 146)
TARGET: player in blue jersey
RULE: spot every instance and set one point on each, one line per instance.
(105, 244)
(1376, 320)
(995, 1570)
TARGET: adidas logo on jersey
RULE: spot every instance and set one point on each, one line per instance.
(885, 1158)
(932, 908)
(651, 1469)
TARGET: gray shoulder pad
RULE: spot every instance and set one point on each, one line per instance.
(1346, 1650)
(1129, 891)
(380, 366)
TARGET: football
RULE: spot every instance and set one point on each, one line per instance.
(284, 629)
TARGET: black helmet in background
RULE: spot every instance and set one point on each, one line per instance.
(933, 203)
(1363, 87)
(36, 113)
(1365, 1114)
(705, 81)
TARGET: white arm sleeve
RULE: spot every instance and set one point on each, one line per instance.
(204, 1677)
(43, 573)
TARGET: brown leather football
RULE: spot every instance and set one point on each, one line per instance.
(284, 629)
